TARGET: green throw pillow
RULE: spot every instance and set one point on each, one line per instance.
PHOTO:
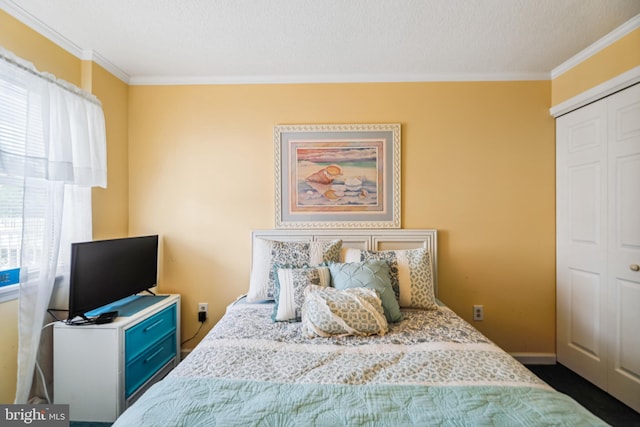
(371, 275)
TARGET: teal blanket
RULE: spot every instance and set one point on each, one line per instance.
(217, 402)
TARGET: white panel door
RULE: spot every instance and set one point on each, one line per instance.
(624, 245)
(581, 222)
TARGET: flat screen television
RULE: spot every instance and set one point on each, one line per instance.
(105, 271)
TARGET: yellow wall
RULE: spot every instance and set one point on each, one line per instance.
(621, 56)
(477, 164)
(8, 351)
(110, 206)
(43, 53)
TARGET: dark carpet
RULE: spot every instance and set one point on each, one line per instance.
(600, 403)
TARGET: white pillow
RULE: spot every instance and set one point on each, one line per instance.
(269, 253)
(290, 286)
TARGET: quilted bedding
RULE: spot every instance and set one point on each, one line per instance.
(432, 368)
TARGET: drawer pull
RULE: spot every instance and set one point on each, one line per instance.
(157, 352)
(148, 328)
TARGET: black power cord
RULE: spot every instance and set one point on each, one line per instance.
(201, 319)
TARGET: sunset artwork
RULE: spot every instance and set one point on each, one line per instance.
(337, 176)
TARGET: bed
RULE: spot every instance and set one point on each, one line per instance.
(276, 357)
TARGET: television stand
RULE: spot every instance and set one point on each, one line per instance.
(101, 369)
(128, 306)
(106, 317)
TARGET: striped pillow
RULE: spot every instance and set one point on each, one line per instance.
(290, 286)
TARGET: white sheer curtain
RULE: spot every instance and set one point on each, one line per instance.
(52, 139)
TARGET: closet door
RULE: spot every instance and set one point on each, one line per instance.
(624, 245)
(581, 226)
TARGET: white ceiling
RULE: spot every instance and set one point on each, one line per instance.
(250, 41)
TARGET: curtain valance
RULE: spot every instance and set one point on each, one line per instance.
(49, 128)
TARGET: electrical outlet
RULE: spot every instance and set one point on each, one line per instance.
(203, 309)
(478, 312)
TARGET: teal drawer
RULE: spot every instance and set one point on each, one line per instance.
(148, 363)
(146, 333)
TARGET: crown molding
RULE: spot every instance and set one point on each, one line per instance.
(607, 88)
(37, 25)
(92, 55)
(596, 47)
(338, 78)
(13, 9)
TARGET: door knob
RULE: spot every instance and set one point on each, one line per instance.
(634, 267)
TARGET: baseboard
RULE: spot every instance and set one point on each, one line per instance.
(184, 353)
(535, 358)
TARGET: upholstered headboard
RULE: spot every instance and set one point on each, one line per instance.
(369, 239)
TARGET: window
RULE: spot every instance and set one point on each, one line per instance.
(17, 114)
(10, 235)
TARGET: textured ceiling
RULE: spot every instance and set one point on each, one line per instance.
(227, 41)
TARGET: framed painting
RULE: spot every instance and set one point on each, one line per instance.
(337, 176)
